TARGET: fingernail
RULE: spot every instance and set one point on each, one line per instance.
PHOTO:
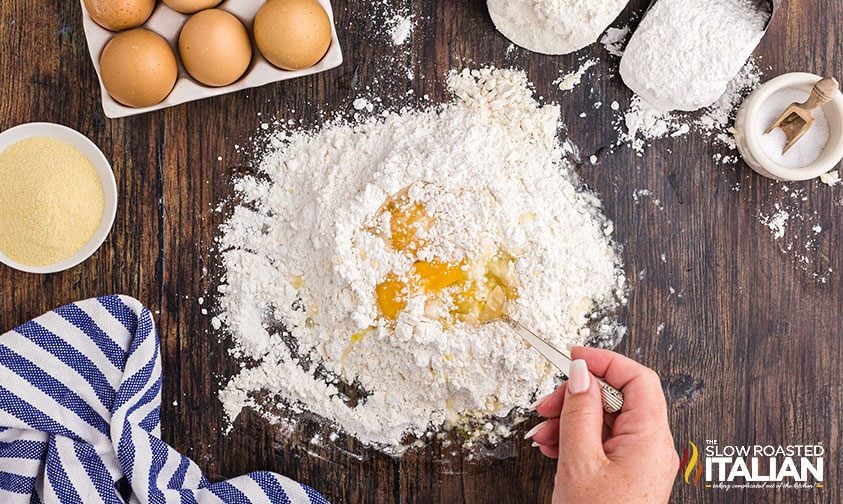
(535, 430)
(535, 445)
(537, 403)
(579, 379)
(569, 346)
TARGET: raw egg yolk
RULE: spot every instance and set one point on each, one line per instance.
(391, 296)
(407, 224)
(435, 276)
(430, 277)
(408, 221)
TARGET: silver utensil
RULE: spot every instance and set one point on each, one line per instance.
(612, 398)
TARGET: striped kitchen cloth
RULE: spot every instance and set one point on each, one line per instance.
(80, 398)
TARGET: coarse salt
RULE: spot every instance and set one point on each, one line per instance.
(804, 152)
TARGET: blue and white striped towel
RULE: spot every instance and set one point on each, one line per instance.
(80, 397)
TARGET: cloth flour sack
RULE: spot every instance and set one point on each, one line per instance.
(685, 52)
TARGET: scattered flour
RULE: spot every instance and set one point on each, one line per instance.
(685, 52)
(831, 178)
(614, 39)
(796, 232)
(638, 194)
(573, 79)
(304, 251)
(395, 25)
(361, 104)
(641, 123)
(400, 29)
(554, 26)
(777, 222)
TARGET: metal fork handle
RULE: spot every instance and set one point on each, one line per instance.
(612, 398)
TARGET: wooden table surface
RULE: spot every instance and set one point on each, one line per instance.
(750, 341)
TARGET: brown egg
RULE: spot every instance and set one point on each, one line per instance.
(191, 6)
(117, 15)
(215, 48)
(138, 68)
(292, 34)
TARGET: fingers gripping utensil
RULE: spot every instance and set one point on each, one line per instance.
(612, 398)
(798, 118)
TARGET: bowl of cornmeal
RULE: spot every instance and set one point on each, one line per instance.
(58, 198)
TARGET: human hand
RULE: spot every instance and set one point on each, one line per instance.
(626, 457)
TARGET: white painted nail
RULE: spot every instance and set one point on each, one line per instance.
(535, 445)
(579, 379)
(535, 430)
(569, 346)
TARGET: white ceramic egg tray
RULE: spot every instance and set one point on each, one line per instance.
(168, 23)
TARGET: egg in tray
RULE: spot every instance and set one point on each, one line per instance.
(150, 55)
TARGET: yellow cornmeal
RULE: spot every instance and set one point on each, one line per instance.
(51, 201)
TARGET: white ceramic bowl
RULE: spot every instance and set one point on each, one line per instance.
(749, 144)
(103, 169)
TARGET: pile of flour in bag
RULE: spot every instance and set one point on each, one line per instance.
(357, 263)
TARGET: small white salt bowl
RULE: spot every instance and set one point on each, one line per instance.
(101, 165)
(749, 144)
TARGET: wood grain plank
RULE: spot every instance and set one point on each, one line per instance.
(751, 344)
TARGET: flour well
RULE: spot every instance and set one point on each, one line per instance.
(308, 249)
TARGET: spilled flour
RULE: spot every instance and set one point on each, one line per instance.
(641, 123)
(796, 231)
(614, 40)
(358, 261)
(400, 29)
(573, 79)
(831, 178)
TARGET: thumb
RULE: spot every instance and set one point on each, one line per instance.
(581, 419)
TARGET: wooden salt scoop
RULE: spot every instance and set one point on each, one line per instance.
(798, 118)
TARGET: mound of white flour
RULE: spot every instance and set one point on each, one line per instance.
(685, 52)
(554, 26)
(300, 253)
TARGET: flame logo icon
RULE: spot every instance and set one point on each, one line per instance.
(690, 463)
